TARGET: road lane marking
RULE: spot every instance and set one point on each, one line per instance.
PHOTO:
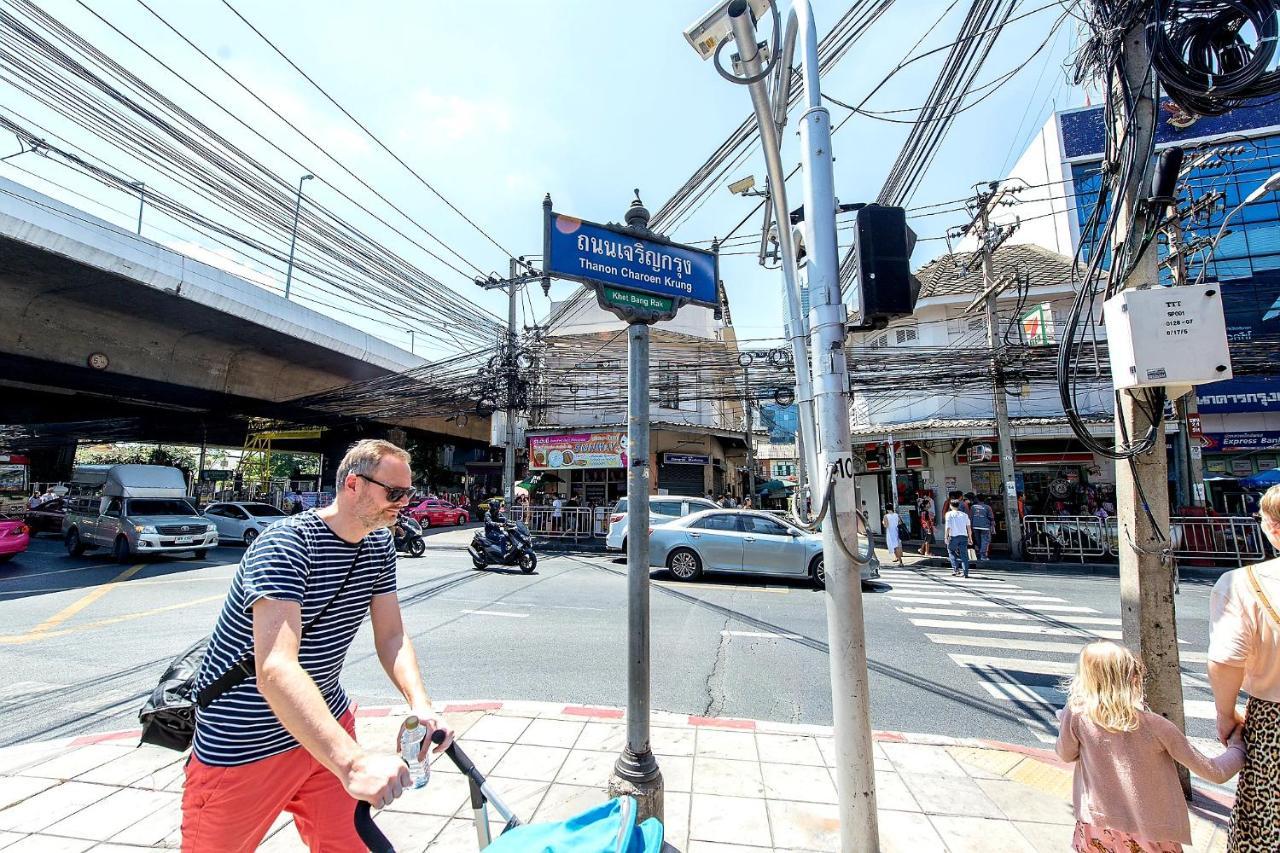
(503, 613)
(30, 637)
(1001, 628)
(85, 600)
(55, 572)
(760, 634)
(1192, 709)
(776, 590)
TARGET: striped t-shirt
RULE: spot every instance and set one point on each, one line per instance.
(296, 559)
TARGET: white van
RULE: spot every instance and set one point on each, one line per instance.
(662, 508)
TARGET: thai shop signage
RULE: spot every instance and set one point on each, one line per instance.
(616, 259)
(578, 450)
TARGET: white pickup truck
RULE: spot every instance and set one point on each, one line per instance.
(143, 509)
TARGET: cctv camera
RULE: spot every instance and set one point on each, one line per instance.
(743, 185)
(706, 34)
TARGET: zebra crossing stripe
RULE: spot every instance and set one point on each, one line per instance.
(949, 593)
(1009, 691)
(1043, 667)
(1045, 630)
(942, 611)
(1019, 644)
(982, 602)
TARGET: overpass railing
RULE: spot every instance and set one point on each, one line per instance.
(1221, 541)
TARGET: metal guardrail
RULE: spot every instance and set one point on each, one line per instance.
(574, 523)
(1206, 541)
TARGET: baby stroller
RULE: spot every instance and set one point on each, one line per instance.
(607, 828)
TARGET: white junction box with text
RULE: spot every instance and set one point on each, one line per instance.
(1174, 336)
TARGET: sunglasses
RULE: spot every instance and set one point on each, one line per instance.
(394, 493)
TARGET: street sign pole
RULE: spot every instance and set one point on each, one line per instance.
(642, 278)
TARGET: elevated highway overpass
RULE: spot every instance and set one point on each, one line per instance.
(97, 322)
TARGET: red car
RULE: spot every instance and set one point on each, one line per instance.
(14, 538)
(434, 512)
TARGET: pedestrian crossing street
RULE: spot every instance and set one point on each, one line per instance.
(1021, 644)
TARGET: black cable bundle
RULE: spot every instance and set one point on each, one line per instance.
(1213, 55)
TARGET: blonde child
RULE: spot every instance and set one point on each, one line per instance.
(1126, 791)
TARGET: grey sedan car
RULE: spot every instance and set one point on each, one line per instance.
(742, 542)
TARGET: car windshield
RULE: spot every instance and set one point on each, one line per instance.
(261, 510)
(620, 506)
(160, 506)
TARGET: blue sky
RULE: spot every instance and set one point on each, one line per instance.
(497, 103)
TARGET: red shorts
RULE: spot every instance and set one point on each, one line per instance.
(230, 809)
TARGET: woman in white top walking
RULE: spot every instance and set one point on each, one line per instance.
(893, 533)
(958, 532)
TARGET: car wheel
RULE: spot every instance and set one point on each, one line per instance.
(684, 565)
(201, 553)
(120, 550)
(417, 548)
(425, 521)
(4, 558)
(75, 546)
(528, 562)
(462, 519)
(818, 572)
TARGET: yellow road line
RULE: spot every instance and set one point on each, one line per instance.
(85, 600)
(32, 636)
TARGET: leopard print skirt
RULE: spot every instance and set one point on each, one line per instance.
(1255, 820)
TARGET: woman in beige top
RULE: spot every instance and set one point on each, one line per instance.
(1244, 653)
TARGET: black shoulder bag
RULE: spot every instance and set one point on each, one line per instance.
(169, 716)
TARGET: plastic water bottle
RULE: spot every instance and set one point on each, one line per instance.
(410, 745)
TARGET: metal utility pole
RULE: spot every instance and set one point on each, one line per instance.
(293, 240)
(636, 771)
(833, 476)
(1188, 459)
(746, 413)
(752, 63)
(142, 201)
(1148, 617)
(1004, 435)
(893, 473)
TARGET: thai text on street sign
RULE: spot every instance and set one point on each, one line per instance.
(614, 256)
(1037, 325)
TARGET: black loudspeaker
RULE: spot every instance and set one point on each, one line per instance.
(883, 244)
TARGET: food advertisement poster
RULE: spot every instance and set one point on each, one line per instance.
(580, 450)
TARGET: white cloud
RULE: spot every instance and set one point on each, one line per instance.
(452, 119)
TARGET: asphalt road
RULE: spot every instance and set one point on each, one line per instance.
(84, 640)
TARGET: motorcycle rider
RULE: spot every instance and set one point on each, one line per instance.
(495, 527)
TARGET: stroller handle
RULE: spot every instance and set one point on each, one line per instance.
(368, 830)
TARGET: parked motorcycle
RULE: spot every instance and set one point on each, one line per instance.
(504, 544)
(408, 536)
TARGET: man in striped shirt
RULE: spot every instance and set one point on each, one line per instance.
(283, 740)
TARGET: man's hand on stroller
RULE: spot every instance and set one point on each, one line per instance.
(377, 778)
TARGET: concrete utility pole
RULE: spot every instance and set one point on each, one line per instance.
(833, 478)
(636, 771)
(509, 365)
(1148, 617)
(1004, 435)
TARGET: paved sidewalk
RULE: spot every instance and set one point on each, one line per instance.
(732, 786)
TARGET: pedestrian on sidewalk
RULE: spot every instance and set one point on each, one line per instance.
(283, 740)
(983, 519)
(1125, 790)
(893, 533)
(1244, 652)
(957, 531)
(926, 526)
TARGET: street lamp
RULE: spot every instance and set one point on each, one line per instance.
(142, 200)
(293, 241)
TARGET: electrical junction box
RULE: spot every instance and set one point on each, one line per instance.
(1167, 336)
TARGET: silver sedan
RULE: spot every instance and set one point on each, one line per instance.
(741, 542)
(241, 522)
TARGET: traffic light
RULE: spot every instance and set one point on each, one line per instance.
(882, 253)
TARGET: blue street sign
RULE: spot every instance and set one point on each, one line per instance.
(601, 255)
